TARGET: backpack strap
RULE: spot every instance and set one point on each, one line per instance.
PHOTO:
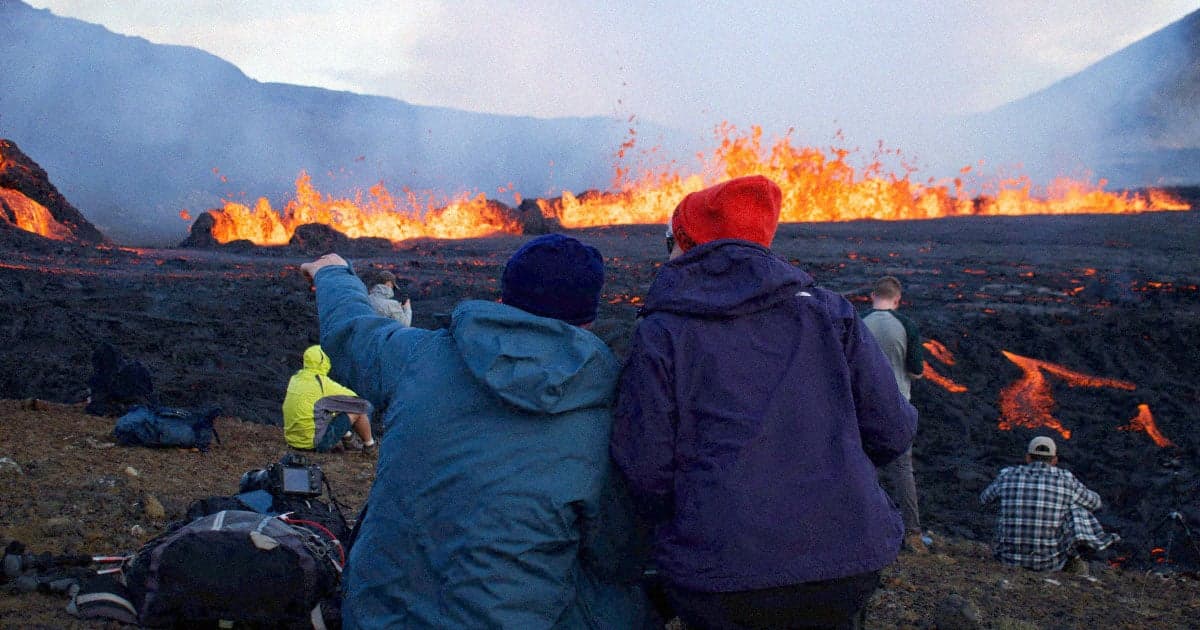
(103, 597)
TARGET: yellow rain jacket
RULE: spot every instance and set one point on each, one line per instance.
(306, 387)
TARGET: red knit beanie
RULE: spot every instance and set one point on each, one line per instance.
(745, 208)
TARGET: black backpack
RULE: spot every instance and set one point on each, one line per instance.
(310, 512)
(117, 383)
(236, 566)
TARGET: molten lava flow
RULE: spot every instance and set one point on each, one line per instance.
(1144, 421)
(30, 215)
(817, 184)
(1028, 402)
(378, 214)
(940, 352)
(944, 382)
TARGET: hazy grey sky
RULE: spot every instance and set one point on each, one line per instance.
(814, 65)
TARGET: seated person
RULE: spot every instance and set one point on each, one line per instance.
(1045, 513)
(317, 411)
(382, 298)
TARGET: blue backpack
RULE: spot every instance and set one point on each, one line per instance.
(167, 427)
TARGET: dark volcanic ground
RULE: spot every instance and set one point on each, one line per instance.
(1110, 296)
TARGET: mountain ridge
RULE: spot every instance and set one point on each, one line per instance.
(1133, 116)
(136, 131)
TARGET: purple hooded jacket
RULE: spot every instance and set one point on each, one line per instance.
(751, 415)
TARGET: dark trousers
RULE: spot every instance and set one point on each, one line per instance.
(836, 603)
(898, 475)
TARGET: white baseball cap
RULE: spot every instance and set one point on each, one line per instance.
(1042, 445)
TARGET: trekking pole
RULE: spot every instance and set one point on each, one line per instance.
(1179, 518)
(17, 561)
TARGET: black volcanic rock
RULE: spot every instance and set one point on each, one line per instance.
(20, 173)
(316, 238)
(201, 236)
(529, 214)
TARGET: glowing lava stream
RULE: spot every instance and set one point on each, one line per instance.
(1029, 402)
(30, 215)
(1144, 421)
(940, 352)
(818, 185)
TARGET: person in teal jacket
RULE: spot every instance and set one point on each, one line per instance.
(494, 503)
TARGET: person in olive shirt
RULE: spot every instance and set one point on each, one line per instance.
(900, 340)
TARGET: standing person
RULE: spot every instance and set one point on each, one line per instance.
(1046, 518)
(751, 414)
(900, 340)
(318, 411)
(494, 504)
(383, 298)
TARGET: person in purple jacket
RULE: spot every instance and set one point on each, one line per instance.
(751, 415)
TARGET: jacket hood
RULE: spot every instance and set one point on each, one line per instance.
(316, 360)
(724, 278)
(537, 364)
(383, 290)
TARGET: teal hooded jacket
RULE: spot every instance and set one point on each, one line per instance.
(494, 503)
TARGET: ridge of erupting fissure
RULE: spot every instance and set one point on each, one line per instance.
(818, 185)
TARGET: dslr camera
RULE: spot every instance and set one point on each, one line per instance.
(293, 476)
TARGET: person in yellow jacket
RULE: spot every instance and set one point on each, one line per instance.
(318, 411)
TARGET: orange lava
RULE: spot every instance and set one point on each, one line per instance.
(944, 382)
(942, 354)
(818, 185)
(1144, 421)
(30, 215)
(378, 213)
(939, 351)
(1029, 402)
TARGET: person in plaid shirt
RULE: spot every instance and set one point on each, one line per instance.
(1045, 512)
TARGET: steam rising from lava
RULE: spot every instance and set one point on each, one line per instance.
(818, 185)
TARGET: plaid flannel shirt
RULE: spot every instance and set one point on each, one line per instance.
(1044, 512)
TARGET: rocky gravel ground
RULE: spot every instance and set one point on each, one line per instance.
(68, 489)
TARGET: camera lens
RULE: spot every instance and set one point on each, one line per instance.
(254, 480)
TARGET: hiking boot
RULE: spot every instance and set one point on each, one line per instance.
(371, 450)
(913, 543)
(1076, 566)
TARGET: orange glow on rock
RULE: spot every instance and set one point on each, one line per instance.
(1029, 401)
(1144, 421)
(818, 185)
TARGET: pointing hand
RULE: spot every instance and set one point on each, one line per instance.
(310, 269)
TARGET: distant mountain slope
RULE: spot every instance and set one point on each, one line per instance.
(1134, 116)
(133, 130)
